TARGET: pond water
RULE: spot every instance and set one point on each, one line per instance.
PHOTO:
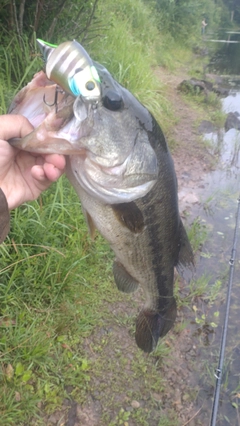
(217, 211)
(226, 59)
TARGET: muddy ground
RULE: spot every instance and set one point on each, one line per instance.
(191, 158)
(128, 387)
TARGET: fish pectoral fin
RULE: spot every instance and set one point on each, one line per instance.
(124, 281)
(90, 223)
(130, 216)
(185, 264)
(151, 325)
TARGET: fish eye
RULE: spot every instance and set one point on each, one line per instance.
(112, 100)
(90, 85)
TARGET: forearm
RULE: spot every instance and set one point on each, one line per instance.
(4, 217)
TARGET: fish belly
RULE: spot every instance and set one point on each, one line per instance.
(146, 250)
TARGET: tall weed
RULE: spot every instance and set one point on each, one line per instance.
(18, 63)
(54, 283)
(129, 51)
(53, 286)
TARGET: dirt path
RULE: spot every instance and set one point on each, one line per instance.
(191, 159)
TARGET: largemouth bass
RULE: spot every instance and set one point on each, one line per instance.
(120, 166)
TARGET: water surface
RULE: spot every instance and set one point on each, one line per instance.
(226, 60)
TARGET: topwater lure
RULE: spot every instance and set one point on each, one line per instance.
(70, 66)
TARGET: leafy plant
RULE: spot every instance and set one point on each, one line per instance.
(183, 19)
(46, 19)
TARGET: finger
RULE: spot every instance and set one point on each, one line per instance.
(57, 160)
(6, 150)
(38, 174)
(14, 126)
(52, 173)
(46, 174)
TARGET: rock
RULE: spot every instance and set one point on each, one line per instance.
(221, 90)
(206, 127)
(17, 397)
(202, 51)
(232, 122)
(157, 397)
(217, 79)
(193, 85)
(135, 404)
(189, 197)
(57, 418)
(86, 416)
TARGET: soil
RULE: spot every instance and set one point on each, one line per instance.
(191, 159)
(127, 387)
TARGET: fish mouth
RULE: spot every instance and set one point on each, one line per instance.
(50, 110)
(62, 125)
(68, 125)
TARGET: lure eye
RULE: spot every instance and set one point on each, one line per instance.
(112, 101)
(90, 85)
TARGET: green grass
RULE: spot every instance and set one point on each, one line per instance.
(198, 99)
(197, 234)
(56, 294)
(18, 63)
(130, 50)
(66, 332)
(56, 285)
(53, 283)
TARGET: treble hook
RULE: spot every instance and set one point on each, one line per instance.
(57, 90)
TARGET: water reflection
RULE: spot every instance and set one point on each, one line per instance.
(227, 58)
(217, 212)
(226, 146)
(232, 102)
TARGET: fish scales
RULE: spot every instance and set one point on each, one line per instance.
(120, 166)
(148, 256)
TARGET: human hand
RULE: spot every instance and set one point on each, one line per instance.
(23, 175)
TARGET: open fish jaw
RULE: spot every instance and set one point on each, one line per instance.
(49, 124)
(113, 162)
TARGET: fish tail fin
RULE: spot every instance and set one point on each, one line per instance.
(151, 325)
(185, 265)
(124, 281)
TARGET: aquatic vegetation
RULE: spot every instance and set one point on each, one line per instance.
(197, 233)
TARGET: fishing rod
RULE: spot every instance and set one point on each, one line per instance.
(218, 373)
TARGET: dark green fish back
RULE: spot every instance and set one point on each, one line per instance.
(156, 218)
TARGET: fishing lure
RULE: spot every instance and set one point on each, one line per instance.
(70, 66)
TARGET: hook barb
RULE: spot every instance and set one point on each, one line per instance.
(55, 102)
